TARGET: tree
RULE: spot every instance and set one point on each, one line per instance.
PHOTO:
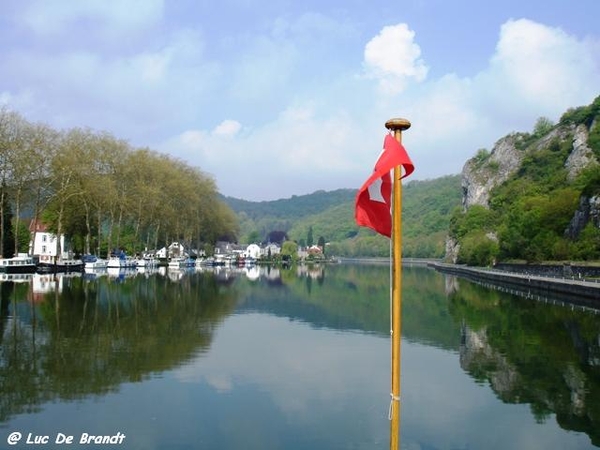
(8, 241)
(11, 125)
(289, 248)
(277, 237)
(30, 173)
(477, 249)
(542, 127)
(309, 237)
(321, 243)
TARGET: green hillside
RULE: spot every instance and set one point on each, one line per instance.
(427, 206)
(548, 209)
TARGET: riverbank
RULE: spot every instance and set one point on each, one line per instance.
(572, 290)
(386, 260)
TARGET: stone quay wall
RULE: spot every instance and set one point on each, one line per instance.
(580, 290)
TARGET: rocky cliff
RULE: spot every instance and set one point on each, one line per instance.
(570, 139)
(485, 171)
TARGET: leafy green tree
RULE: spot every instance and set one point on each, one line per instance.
(289, 248)
(587, 247)
(476, 218)
(542, 126)
(478, 249)
(253, 237)
(22, 236)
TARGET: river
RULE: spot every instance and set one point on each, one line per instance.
(299, 358)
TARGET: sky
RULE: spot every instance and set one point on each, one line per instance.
(275, 98)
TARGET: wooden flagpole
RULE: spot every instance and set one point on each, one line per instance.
(397, 126)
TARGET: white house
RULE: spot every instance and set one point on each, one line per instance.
(44, 244)
(176, 250)
(252, 251)
(270, 250)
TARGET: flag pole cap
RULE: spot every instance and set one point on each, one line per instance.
(397, 124)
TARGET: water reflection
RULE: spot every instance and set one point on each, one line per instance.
(69, 337)
(546, 356)
(295, 358)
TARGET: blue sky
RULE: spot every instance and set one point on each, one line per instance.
(279, 98)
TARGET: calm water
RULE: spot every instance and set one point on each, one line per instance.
(291, 360)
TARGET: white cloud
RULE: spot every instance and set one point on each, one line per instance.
(537, 70)
(227, 128)
(394, 58)
(294, 149)
(192, 139)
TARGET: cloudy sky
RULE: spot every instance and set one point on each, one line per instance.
(275, 98)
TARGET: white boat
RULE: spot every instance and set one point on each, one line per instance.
(91, 262)
(146, 262)
(121, 262)
(52, 264)
(22, 263)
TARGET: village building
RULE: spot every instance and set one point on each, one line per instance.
(252, 251)
(270, 250)
(44, 245)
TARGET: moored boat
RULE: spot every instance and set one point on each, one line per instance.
(121, 261)
(48, 263)
(92, 262)
(146, 262)
(22, 263)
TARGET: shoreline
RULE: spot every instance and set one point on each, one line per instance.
(573, 291)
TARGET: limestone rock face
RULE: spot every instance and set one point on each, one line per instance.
(582, 155)
(588, 210)
(452, 249)
(485, 171)
(480, 176)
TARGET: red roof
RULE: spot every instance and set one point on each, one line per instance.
(37, 226)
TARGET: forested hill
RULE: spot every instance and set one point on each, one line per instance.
(294, 208)
(427, 207)
(258, 220)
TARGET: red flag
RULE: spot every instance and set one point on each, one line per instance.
(374, 199)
